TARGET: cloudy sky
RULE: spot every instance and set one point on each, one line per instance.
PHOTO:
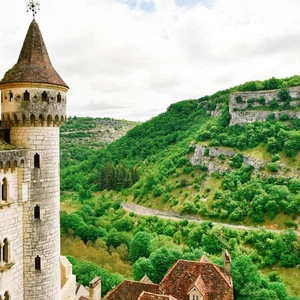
(130, 59)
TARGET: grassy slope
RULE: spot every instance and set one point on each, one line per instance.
(168, 137)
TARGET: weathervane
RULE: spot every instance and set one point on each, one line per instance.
(33, 6)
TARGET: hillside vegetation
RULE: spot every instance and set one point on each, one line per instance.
(81, 136)
(253, 179)
(153, 160)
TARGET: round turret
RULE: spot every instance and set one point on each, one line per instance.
(33, 94)
(33, 106)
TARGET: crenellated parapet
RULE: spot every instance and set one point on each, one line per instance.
(11, 159)
(33, 105)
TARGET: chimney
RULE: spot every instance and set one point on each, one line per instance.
(95, 289)
(227, 262)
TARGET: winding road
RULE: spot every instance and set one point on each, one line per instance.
(145, 211)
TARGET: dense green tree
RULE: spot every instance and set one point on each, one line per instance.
(244, 273)
(85, 271)
(161, 260)
(142, 267)
(139, 246)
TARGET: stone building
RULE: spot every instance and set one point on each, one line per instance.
(33, 106)
(185, 280)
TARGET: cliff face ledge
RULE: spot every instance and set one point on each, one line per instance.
(247, 107)
(208, 156)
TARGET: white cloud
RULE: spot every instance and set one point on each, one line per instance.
(124, 62)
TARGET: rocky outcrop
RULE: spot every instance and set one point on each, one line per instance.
(210, 157)
(249, 116)
(243, 106)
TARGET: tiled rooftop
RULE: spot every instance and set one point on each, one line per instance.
(131, 290)
(183, 274)
(34, 64)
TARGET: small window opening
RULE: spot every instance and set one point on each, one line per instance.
(59, 98)
(44, 96)
(5, 251)
(36, 160)
(4, 190)
(37, 263)
(32, 120)
(37, 212)
(26, 96)
(11, 95)
(6, 296)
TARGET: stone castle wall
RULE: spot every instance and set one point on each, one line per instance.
(13, 171)
(68, 280)
(42, 235)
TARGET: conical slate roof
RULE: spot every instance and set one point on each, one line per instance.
(34, 64)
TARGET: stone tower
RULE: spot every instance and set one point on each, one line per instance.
(33, 107)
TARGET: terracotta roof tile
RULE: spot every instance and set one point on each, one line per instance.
(184, 273)
(199, 285)
(131, 290)
(151, 296)
(34, 64)
(204, 259)
(146, 279)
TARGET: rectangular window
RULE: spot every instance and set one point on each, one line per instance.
(36, 160)
(37, 263)
(37, 212)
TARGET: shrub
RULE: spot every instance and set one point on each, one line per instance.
(184, 182)
(236, 161)
(284, 117)
(188, 207)
(273, 167)
(239, 99)
(158, 190)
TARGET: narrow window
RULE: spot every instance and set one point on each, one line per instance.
(6, 296)
(11, 95)
(5, 251)
(36, 160)
(26, 96)
(32, 120)
(58, 98)
(44, 96)
(37, 212)
(4, 190)
(37, 263)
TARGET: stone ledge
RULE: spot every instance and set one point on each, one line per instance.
(6, 266)
(5, 204)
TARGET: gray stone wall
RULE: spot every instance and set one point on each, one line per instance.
(41, 236)
(12, 168)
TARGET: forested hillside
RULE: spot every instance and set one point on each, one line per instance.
(81, 136)
(245, 174)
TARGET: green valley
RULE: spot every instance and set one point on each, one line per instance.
(232, 157)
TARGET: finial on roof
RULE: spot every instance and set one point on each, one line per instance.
(33, 6)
